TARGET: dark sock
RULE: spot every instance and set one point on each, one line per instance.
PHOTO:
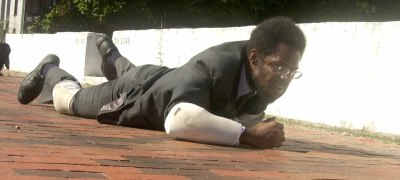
(46, 69)
(114, 55)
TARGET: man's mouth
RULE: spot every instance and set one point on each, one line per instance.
(280, 87)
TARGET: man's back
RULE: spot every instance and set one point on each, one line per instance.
(208, 80)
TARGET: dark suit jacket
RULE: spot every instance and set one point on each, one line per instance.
(210, 80)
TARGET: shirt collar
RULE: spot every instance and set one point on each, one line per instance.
(244, 87)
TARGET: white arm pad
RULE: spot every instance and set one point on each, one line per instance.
(191, 122)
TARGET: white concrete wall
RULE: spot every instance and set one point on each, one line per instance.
(173, 47)
(27, 50)
(349, 79)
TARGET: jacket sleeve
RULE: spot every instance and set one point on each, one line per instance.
(193, 88)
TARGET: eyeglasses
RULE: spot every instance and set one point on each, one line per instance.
(286, 73)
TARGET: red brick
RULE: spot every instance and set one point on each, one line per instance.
(250, 174)
(70, 167)
(55, 160)
(145, 176)
(23, 177)
(57, 146)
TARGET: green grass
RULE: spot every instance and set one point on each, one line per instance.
(382, 137)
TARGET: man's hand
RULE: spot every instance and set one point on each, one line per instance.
(265, 134)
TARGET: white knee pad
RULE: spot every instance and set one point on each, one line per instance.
(63, 93)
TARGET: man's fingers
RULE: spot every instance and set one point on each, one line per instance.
(279, 136)
(268, 133)
(278, 144)
(280, 139)
(275, 139)
(273, 120)
(280, 125)
(282, 136)
(269, 119)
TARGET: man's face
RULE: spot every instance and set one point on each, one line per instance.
(265, 74)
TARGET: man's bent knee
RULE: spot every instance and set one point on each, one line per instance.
(63, 94)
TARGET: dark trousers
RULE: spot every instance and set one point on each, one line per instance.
(88, 101)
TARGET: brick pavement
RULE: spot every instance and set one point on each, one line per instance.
(38, 143)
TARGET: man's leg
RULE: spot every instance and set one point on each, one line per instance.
(32, 85)
(1, 67)
(53, 76)
(69, 98)
(54, 84)
(120, 72)
(88, 101)
(113, 64)
(57, 86)
(7, 63)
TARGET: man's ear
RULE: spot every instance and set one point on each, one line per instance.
(253, 56)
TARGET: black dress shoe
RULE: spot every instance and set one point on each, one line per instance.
(105, 47)
(32, 85)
